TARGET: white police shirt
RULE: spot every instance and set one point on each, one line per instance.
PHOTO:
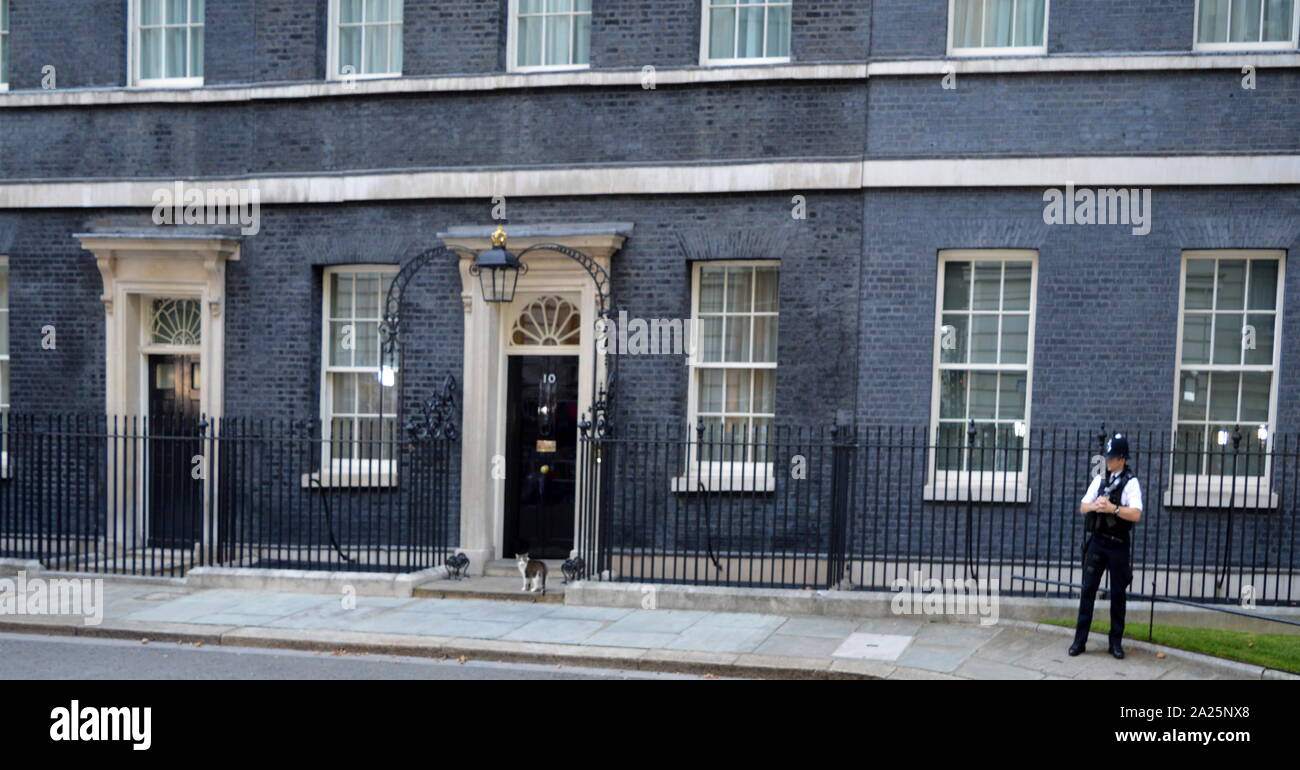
(1131, 497)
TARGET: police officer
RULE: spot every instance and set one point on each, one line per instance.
(1112, 504)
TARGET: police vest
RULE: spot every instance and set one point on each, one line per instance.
(1108, 523)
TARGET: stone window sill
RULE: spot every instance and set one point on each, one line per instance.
(1217, 492)
(349, 474)
(727, 477)
(950, 487)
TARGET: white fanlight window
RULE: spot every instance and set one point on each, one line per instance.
(365, 39)
(549, 34)
(1225, 25)
(358, 385)
(1228, 354)
(175, 322)
(547, 322)
(745, 32)
(167, 42)
(997, 27)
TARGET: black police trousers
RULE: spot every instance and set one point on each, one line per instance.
(1104, 555)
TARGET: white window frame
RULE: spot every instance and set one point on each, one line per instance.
(1280, 45)
(347, 472)
(332, 48)
(1204, 490)
(707, 61)
(984, 486)
(134, 51)
(725, 475)
(1018, 50)
(4, 42)
(512, 44)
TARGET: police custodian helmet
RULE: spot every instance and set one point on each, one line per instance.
(1117, 446)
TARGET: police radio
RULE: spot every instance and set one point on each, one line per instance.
(1107, 522)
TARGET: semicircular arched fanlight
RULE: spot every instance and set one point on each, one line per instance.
(547, 321)
(177, 322)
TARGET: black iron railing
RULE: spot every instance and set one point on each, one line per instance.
(158, 496)
(866, 507)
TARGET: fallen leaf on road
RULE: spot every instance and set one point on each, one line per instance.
(1160, 655)
(144, 641)
(461, 659)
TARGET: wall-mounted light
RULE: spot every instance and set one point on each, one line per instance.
(1223, 438)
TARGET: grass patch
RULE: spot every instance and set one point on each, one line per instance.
(1280, 651)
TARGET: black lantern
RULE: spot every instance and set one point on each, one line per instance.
(498, 270)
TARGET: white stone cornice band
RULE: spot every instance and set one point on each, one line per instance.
(638, 78)
(795, 176)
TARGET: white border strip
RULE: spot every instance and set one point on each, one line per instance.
(686, 180)
(410, 85)
(1030, 64)
(1102, 171)
(640, 78)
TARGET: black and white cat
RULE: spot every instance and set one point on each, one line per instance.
(534, 570)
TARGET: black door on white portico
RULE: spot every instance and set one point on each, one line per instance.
(541, 467)
(542, 428)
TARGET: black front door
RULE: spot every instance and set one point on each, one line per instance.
(542, 445)
(175, 452)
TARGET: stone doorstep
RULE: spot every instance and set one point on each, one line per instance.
(493, 588)
(510, 568)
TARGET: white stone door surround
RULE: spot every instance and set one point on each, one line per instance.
(135, 268)
(485, 378)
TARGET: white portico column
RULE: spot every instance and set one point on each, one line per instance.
(485, 377)
(482, 415)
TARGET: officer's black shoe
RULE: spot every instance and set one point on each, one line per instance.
(1076, 649)
(1117, 651)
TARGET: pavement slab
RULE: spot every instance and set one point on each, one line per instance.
(934, 657)
(812, 625)
(718, 638)
(976, 667)
(792, 646)
(555, 630)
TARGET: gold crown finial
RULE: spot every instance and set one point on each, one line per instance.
(499, 237)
